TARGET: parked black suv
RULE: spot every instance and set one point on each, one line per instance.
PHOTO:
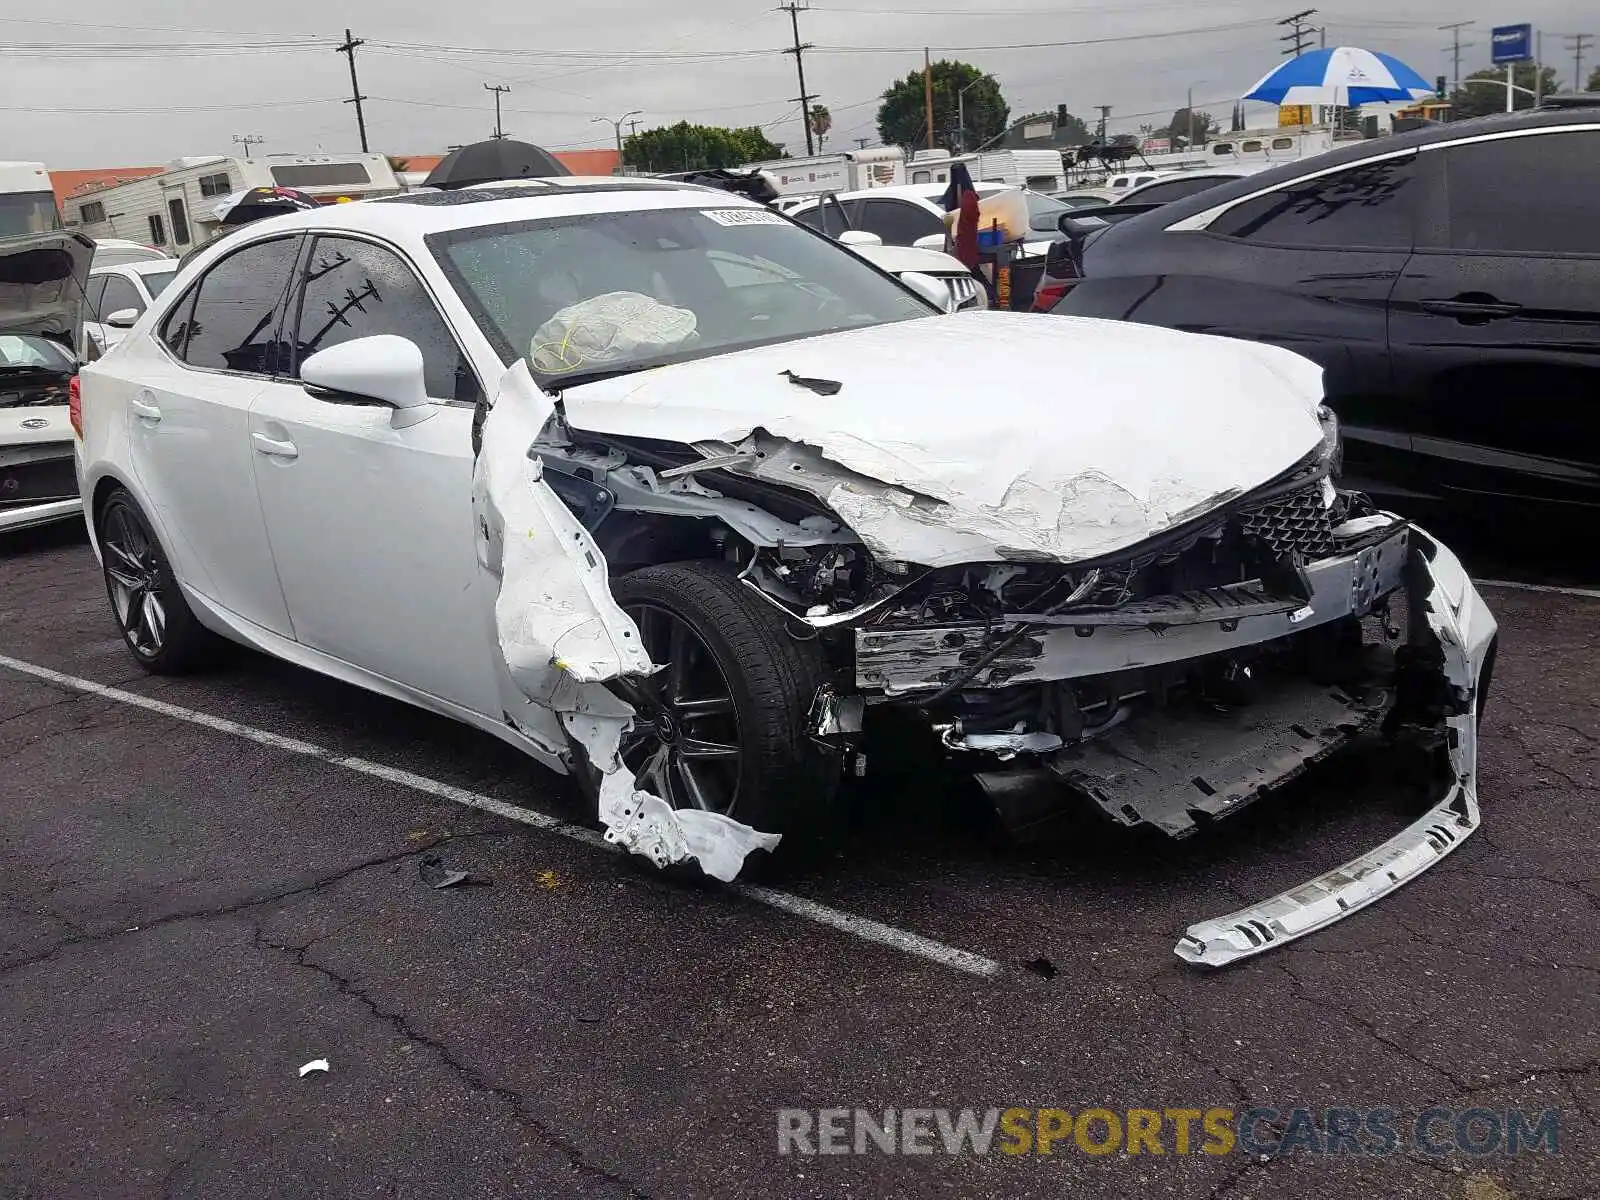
(1447, 280)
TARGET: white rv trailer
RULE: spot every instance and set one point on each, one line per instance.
(27, 201)
(846, 171)
(1039, 170)
(175, 209)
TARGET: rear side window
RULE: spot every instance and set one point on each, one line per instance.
(1367, 205)
(234, 323)
(1525, 195)
(92, 294)
(824, 217)
(354, 289)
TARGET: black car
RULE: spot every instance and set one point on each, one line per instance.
(1446, 279)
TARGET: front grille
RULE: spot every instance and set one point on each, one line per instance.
(37, 482)
(1298, 523)
(966, 291)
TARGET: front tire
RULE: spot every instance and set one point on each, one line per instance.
(737, 690)
(156, 623)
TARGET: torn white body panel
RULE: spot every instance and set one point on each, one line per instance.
(562, 636)
(1459, 621)
(1026, 467)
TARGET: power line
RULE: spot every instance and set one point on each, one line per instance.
(349, 48)
(804, 99)
(1053, 45)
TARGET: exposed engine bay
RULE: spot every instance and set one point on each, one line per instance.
(1168, 684)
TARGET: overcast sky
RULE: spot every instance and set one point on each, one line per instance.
(131, 82)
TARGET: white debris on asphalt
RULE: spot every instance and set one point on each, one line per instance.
(316, 1064)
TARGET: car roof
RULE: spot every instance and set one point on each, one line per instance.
(145, 266)
(1353, 152)
(416, 214)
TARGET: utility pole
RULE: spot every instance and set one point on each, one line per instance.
(1302, 31)
(1455, 49)
(861, 143)
(499, 89)
(349, 48)
(1579, 43)
(247, 141)
(633, 126)
(794, 9)
(1105, 117)
(927, 92)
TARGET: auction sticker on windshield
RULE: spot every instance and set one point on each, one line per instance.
(743, 216)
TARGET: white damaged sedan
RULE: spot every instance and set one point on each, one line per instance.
(684, 499)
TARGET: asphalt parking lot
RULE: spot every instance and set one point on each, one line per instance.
(211, 881)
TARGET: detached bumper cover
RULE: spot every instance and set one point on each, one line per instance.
(1447, 614)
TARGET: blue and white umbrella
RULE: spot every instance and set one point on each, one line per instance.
(1345, 75)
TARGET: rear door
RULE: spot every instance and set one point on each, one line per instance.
(1495, 326)
(189, 396)
(371, 525)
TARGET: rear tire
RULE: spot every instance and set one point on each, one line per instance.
(734, 678)
(156, 623)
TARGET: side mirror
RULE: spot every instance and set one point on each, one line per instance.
(383, 367)
(934, 241)
(859, 237)
(930, 289)
(123, 318)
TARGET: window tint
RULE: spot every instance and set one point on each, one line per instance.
(174, 330)
(92, 294)
(825, 217)
(899, 223)
(155, 282)
(234, 326)
(354, 289)
(121, 294)
(1368, 205)
(1531, 194)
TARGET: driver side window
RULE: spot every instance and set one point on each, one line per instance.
(353, 289)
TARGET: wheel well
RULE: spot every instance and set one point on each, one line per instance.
(97, 500)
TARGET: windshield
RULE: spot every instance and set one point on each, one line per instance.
(155, 282)
(24, 352)
(1044, 214)
(612, 292)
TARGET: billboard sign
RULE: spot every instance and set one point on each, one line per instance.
(1511, 44)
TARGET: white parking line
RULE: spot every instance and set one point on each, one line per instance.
(821, 914)
(1586, 593)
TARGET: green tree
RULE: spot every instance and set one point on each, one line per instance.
(686, 147)
(1204, 126)
(1594, 81)
(902, 119)
(1484, 92)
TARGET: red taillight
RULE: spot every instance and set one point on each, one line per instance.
(1048, 295)
(75, 407)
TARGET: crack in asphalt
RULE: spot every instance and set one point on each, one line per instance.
(229, 909)
(472, 1076)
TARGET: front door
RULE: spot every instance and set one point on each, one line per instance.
(188, 436)
(371, 525)
(1495, 326)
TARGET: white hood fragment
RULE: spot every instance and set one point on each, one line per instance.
(1057, 437)
(562, 635)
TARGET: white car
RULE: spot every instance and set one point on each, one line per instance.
(676, 496)
(117, 297)
(41, 288)
(117, 252)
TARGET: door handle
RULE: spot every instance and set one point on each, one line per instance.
(273, 447)
(143, 408)
(1470, 310)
